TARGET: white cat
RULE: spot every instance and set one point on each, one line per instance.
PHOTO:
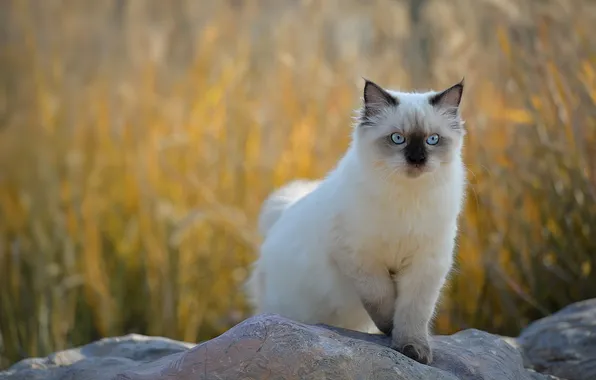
(372, 243)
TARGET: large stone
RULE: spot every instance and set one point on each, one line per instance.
(269, 346)
(563, 344)
(98, 360)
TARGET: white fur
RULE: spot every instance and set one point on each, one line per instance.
(328, 244)
(281, 199)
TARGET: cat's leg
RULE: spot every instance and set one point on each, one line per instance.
(375, 289)
(418, 287)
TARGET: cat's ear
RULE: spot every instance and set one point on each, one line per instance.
(376, 99)
(450, 98)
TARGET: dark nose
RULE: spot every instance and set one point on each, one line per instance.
(416, 158)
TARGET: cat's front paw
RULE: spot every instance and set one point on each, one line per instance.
(415, 348)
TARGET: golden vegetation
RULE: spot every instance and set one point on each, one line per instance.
(137, 140)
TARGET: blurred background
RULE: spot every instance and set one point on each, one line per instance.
(139, 138)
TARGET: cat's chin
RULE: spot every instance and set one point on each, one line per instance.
(416, 171)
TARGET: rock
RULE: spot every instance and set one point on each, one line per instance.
(98, 360)
(469, 355)
(563, 344)
(269, 346)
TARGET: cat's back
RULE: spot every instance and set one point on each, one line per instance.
(281, 200)
(306, 218)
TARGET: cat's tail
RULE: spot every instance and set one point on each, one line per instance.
(280, 200)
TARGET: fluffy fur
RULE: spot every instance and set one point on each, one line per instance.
(370, 246)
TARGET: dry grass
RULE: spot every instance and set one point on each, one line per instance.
(138, 138)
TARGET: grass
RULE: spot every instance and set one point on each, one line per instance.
(138, 139)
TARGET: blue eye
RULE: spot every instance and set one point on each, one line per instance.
(397, 139)
(432, 139)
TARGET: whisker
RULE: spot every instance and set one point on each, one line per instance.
(476, 198)
(434, 179)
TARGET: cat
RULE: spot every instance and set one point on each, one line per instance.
(370, 246)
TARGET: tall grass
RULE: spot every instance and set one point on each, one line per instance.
(137, 140)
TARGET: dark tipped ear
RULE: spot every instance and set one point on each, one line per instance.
(376, 99)
(450, 98)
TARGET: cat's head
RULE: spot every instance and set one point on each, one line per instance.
(409, 134)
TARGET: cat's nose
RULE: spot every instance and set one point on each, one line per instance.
(417, 158)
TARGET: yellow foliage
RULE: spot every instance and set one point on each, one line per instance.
(138, 140)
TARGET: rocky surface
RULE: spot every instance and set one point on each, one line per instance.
(563, 344)
(272, 347)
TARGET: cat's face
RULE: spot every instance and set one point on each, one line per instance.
(409, 134)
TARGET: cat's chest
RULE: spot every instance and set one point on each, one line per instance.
(407, 215)
(400, 228)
